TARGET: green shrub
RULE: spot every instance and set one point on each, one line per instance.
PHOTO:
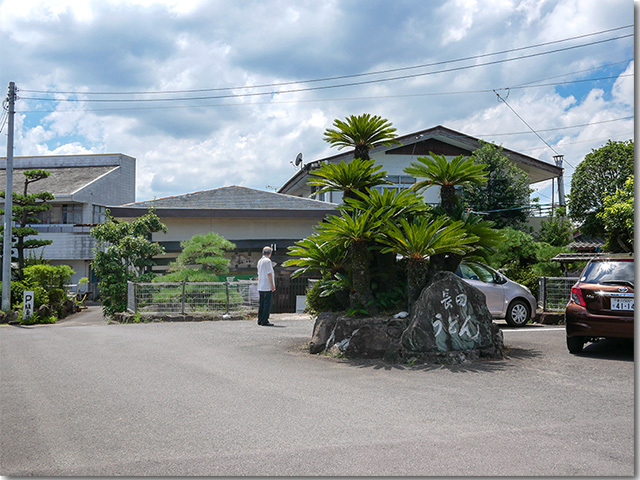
(317, 303)
(48, 276)
(526, 276)
(57, 296)
(37, 319)
(17, 292)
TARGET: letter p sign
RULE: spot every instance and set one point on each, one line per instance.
(27, 304)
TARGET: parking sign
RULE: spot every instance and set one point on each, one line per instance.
(27, 304)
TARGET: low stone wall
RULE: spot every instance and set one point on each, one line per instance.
(450, 323)
(128, 317)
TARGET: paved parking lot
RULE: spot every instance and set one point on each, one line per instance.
(84, 398)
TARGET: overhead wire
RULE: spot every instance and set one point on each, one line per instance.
(341, 77)
(332, 99)
(326, 87)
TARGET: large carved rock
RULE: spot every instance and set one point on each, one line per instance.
(451, 316)
(450, 323)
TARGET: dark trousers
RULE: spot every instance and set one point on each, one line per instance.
(264, 309)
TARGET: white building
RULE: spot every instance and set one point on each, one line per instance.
(83, 187)
(439, 140)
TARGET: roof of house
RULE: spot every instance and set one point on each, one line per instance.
(228, 201)
(433, 139)
(63, 181)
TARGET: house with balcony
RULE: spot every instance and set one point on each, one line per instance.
(83, 186)
(394, 159)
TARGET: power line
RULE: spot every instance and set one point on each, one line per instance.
(334, 99)
(599, 67)
(561, 128)
(524, 121)
(326, 87)
(342, 77)
(626, 134)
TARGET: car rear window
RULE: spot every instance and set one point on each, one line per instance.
(609, 272)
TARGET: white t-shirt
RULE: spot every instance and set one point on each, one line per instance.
(265, 267)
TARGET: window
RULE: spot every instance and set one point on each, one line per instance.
(99, 214)
(44, 217)
(72, 214)
(476, 272)
(400, 182)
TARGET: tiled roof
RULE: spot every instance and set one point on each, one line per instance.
(62, 181)
(234, 198)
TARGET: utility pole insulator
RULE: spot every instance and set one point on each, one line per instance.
(558, 159)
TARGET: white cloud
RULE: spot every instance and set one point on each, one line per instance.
(174, 45)
(623, 89)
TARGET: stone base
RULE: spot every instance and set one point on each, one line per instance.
(551, 318)
(128, 317)
(449, 324)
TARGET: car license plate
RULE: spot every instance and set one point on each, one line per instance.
(622, 304)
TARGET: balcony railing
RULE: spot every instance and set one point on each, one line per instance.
(61, 228)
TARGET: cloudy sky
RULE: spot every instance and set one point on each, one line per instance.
(212, 93)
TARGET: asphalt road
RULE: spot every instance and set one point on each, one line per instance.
(84, 398)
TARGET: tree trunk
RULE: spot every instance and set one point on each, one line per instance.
(19, 246)
(416, 280)
(361, 152)
(442, 262)
(448, 198)
(361, 296)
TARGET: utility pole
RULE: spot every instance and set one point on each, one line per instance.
(558, 159)
(8, 205)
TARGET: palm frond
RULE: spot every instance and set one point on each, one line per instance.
(362, 130)
(426, 237)
(437, 170)
(356, 175)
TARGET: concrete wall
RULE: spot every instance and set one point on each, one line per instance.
(114, 188)
(68, 246)
(179, 229)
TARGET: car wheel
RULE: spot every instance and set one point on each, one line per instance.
(575, 344)
(518, 313)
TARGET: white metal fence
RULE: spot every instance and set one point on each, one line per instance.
(555, 292)
(203, 297)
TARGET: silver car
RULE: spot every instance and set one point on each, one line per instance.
(505, 298)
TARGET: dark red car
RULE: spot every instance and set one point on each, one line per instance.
(602, 302)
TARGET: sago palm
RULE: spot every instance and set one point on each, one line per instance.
(353, 232)
(315, 254)
(421, 240)
(362, 132)
(348, 178)
(487, 239)
(395, 203)
(438, 171)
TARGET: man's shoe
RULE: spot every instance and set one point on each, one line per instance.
(268, 324)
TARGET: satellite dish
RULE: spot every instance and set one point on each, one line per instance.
(298, 160)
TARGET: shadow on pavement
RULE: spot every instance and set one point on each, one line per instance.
(621, 349)
(482, 365)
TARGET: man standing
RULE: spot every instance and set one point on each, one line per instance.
(266, 287)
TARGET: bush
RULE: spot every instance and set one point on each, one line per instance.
(17, 292)
(48, 276)
(41, 297)
(35, 319)
(57, 296)
(317, 303)
(526, 276)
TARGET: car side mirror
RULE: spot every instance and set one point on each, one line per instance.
(500, 279)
